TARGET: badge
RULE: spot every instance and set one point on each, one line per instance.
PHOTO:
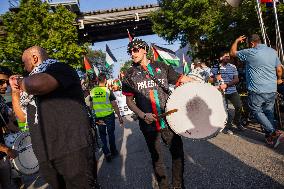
(158, 70)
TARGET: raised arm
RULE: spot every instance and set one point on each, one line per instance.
(234, 48)
(16, 98)
(38, 84)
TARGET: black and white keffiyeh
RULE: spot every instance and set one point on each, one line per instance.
(26, 98)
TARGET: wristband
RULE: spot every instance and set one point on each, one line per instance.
(19, 80)
(144, 116)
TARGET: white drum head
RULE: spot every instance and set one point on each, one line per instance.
(201, 113)
(26, 162)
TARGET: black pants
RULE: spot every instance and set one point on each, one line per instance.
(176, 148)
(235, 99)
(75, 170)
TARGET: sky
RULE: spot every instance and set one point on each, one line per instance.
(118, 47)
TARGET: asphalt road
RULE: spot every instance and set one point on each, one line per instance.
(241, 160)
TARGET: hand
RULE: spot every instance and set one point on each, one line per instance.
(279, 81)
(241, 39)
(223, 86)
(13, 80)
(12, 154)
(121, 123)
(149, 118)
(100, 122)
(218, 77)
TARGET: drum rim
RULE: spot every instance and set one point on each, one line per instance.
(30, 170)
(196, 139)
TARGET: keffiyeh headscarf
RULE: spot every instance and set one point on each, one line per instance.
(25, 98)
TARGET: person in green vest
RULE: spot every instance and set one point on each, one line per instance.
(104, 104)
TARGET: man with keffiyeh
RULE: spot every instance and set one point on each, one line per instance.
(51, 101)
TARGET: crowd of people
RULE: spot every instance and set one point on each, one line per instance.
(63, 139)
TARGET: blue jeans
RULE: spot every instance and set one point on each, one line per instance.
(105, 130)
(262, 107)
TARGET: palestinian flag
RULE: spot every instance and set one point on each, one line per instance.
(165, 55)
(186, 68)
(88, 66)
(110, 59)
(96, 70)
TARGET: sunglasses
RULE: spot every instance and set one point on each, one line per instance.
(3, 81)
(135, 50)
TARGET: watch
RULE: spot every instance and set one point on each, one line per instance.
(144, 116)
(19, 80)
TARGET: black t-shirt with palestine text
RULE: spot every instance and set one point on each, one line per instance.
(149, 97)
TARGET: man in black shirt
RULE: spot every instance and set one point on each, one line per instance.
(150, 101)
(51, 100)
(5, 152)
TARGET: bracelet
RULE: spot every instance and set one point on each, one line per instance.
(144, 116)
(20, 80)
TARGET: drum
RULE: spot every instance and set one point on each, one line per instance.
(10, 138)
(196, 77)
(200, 112)
(26, 161)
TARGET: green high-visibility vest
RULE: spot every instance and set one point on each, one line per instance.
(23, 126)
(101, 103)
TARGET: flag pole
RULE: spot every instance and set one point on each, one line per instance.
(260, 19)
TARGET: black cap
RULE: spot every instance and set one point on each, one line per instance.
(137, 43)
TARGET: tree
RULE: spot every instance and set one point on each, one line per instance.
(128, 63)
(35, 24)
(97, 58)
(208, 25)
(126, 66)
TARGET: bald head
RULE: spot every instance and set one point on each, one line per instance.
(33, 56)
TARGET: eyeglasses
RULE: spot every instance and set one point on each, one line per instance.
(135, 50)
(3, 81)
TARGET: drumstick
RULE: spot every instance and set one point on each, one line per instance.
(167, 113)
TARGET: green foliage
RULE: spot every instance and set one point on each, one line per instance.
(208, 25)
(128, 63)
(97, 59)
(35, 24)
(126, 66)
